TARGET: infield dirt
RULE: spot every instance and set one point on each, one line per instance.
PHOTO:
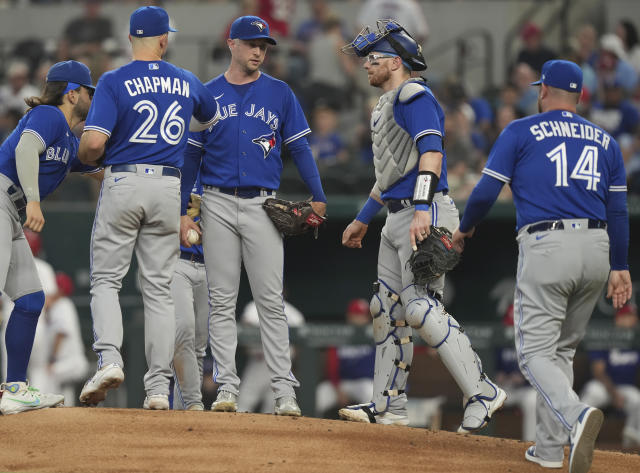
(132, 440)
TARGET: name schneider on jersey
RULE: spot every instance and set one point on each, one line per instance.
(555, 128)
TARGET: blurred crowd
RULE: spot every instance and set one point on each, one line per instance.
(337, 99)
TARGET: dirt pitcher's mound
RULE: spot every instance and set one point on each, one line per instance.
(131, 440)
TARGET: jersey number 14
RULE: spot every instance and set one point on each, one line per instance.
(586, 168)
(171, 126)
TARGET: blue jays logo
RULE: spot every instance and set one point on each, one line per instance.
(261, 26)
(266, 142)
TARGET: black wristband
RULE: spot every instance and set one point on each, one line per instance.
(425, 189)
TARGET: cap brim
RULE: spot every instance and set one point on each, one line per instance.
(173, 30)
(268, 39)
(538, 82)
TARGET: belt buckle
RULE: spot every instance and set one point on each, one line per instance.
(556, 225)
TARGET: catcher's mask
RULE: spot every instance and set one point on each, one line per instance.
(390, 38)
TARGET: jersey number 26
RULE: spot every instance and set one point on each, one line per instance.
(171, 127)
(586, 168)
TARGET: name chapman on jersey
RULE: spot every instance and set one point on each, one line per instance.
(548, 129)
(163, 85)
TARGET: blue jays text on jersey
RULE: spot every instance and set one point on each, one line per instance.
(243, 149)
(163, 97)
(49, 125)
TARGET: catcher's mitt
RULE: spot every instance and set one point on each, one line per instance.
(434, 257)
(292, 218)
(193, 210)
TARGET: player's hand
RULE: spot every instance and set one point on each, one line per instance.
(187, 223)
(420, 227)
(458, 238)
(35, 219)
(354, 233)
(319, 207)
(619, 288)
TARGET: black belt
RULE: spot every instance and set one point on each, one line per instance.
(19, 202)
(193, 257)
(243, 192)
(396, 205)
(166, 170)
(559, 225)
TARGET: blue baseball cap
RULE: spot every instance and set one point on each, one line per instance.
(565, 75)
(70, 71)
(250, 27)
(149, 21)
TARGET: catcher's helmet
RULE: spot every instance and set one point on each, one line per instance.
(390, 38)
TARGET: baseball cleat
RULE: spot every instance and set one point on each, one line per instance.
(156, 402)
(225, 402)
(196, 407)
(95, 390)
(479, 408)
(287, 406)
(366, 413)
(530, 455)
(583, 439)
(20, 397)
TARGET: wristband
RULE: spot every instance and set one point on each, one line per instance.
(424, 207)
(426, 184)
(368, 211)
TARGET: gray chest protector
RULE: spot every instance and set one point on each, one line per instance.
(394, 152)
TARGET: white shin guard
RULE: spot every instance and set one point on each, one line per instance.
(426, 314)
(394, 348)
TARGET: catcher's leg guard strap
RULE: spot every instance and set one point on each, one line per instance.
(394, 346)
(441, 331)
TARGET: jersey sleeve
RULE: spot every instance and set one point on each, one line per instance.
(45, 123)
(618, 181)
(205, 107)
(77, 166)
(103, 112)
(295, 124)
(419, 118)
(501, 161)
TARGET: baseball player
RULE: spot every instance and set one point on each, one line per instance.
(568, 183)
(407, 127)
(191, 299)
(138, 128)
(241, 168)
(34, 160)
(256, 394)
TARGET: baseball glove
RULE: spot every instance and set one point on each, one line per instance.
(434, 257)
(292, 218)
(193, 210)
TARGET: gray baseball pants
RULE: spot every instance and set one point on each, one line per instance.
(18, 273)
(191, 299)
(561, 275)
(138, 211)
(393, 255)
(238, 231)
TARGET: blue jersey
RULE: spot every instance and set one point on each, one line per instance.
(49, 125)
(356, 361)
(558, 165)
(145, 108)
(622, 365)
(244, 148)
(423, 118)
